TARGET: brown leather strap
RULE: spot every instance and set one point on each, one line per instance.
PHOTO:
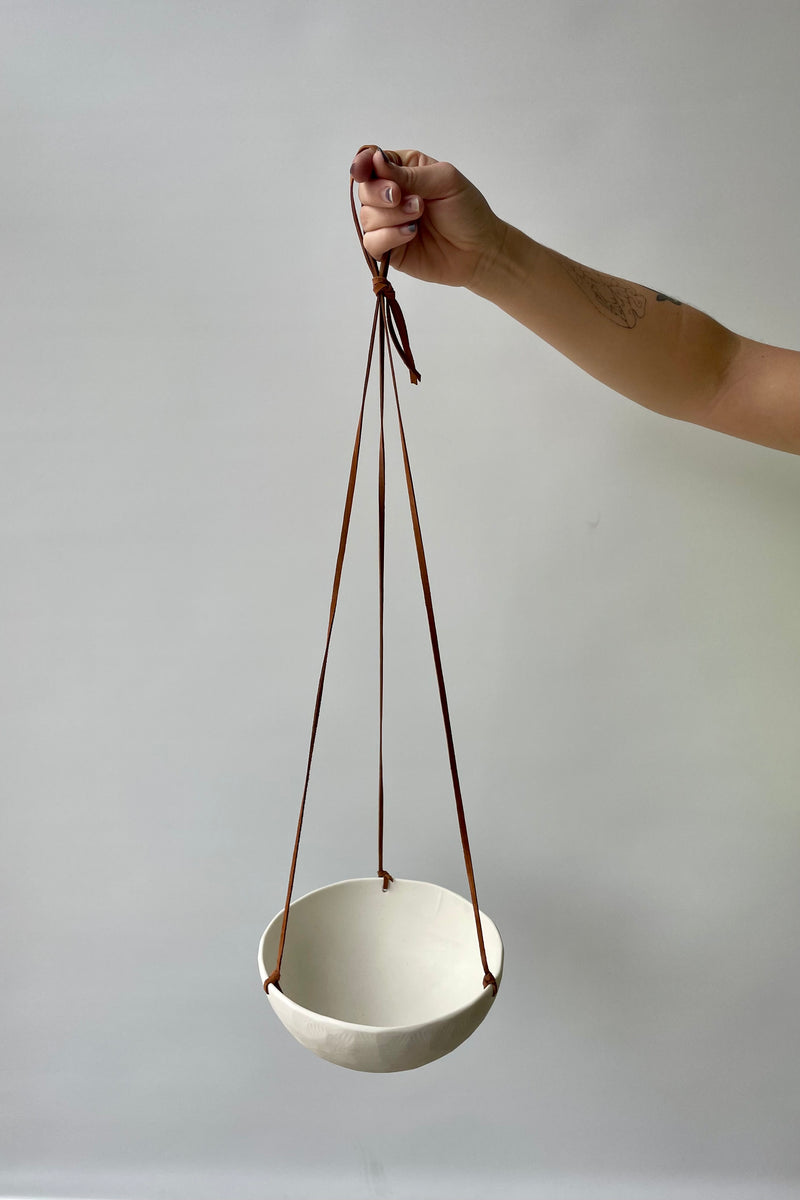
(390, 325)
(274, 978)
(488, 979)
(382, 872)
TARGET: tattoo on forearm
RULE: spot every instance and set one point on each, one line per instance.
(620, 302)
(671, 299)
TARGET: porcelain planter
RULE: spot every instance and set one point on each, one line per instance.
(381, 981)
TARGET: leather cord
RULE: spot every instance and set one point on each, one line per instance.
(390, 326)
(274, 977)
(382, 872)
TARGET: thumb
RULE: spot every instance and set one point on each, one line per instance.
(415, 173)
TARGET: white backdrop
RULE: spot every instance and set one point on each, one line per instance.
(184, 323)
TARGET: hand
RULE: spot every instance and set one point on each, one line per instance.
(434, 221)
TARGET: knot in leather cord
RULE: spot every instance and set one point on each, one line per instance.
(380, 284)
(489, 980)
(395, 323)
(387, 879)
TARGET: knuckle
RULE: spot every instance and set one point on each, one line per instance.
(367, 219)
(374, 244)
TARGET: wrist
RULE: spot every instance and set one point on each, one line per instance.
(507, 263)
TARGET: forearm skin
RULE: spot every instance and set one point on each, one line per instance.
(663, 354)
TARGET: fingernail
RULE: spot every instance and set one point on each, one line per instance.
(383, 156)
(412, 228)
(389, 194)
(411, 205)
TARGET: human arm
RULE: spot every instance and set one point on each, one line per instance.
(659, 352)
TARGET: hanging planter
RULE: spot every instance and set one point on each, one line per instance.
(382, 974)
(381, 981)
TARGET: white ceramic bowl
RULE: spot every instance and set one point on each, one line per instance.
(381, 981)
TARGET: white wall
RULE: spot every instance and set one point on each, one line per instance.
(184, 322)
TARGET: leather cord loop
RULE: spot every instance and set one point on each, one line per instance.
(273, 980)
